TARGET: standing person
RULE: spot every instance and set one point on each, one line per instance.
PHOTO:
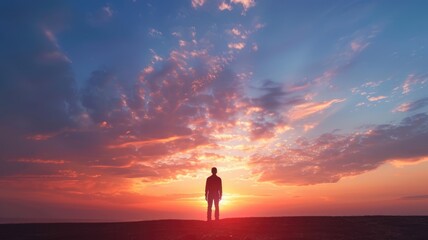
(213, 192)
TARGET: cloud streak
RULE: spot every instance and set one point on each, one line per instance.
(412, 106)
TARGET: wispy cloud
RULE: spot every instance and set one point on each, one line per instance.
(415, 197)
(412, 106)
(377, 98)
(237, 46)
(108, 10)
(358, 46)
(197, 3)
(411, 80)
(154, 32)
(307, 109)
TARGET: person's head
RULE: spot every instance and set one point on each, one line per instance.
(214, 170)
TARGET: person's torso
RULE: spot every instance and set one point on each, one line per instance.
(213, 184)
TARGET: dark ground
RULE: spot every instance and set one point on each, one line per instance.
(370, 227)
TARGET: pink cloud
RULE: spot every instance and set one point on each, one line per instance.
(402, 108)
(255, 47)
(413, 79)
(358, 46)
(307, 127)
(412, 106)
(197, 3)
(238, 46)
(51, 37)
(246, 4)
(307, 109)
(375, 99)
(224, 6)
(235, 32)
(326, 76)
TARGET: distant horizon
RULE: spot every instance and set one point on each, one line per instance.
(120, 109)
(28, 221)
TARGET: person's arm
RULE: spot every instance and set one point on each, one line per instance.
(206, 190)
(221, 189)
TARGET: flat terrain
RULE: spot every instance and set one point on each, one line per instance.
(370, 227)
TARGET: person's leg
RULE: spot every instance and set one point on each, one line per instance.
(210, 205)
(217, 208)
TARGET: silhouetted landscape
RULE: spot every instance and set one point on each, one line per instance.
(366, 227)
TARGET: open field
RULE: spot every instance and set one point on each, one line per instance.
(370, 227)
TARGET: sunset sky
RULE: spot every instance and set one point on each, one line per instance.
(117, 110)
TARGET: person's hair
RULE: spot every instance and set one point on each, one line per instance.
(214, 170)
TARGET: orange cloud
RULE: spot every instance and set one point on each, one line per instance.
(224, 6)
(375, 99)
(306, 109)
(246, 4)
(238, 46)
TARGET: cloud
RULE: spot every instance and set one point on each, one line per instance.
(107, 10)
(235, 32)
(255, 47)
(102, 97)
(309, 108)
(274, 96)
(224, 6)
(197, 3)
(262, 129)
(412, 106)
(358, 45)
(266, 112)
(330, 157)
(307, 127)
(361, 39)
(415, 197)
(41, 161)
(413, 79)
(37, 88)
(375, 99)
(372, 84)
(154, 33)
(237, 46)
(246, 4)
(101, 16)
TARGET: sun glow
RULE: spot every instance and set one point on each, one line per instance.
(225, 200)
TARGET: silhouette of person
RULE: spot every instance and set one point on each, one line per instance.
(213, 193)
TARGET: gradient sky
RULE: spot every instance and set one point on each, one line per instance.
(117, 110)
